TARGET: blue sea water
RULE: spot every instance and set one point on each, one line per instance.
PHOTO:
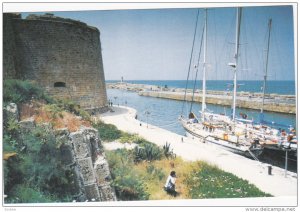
(279, 87)
(164, 113)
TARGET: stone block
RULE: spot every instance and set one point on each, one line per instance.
(102, 171)
(11, 112)
(81, 148)
(87, 171)
(107, 193)
(92, 192)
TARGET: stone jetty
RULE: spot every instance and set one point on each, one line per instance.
(273, 102)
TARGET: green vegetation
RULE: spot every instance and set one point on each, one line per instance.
(128, 184)
(140, 174)
(69, 105)
(18, 91)
(33, 168)
(36, 169)
(168, 152)
(107, 132)
(210, 182)
(147, 152)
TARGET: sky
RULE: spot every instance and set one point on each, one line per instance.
(156, 44)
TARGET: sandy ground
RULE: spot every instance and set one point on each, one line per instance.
(117, 145)
(255, 172)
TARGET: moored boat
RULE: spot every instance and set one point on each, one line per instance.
(219, 129)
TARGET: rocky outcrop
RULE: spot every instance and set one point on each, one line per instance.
(11, 112)
(92, 165)
(82, 152)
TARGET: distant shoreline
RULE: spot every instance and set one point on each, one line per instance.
(281, 87)
(250, 100)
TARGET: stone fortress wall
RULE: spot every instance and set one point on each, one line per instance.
(61, 55)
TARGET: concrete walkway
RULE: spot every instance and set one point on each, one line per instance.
(255, 172)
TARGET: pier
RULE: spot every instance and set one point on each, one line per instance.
(273, 102)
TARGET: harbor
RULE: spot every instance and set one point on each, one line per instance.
(273, 102)
(164, 113)
(280, 183)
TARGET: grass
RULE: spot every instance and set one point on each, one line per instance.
(210, 182)
(51, 113)
(195, 180)
(18, 91)
(156, 173)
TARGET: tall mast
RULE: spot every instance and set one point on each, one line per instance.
(204, 66)
(237, 34)
(266, 72)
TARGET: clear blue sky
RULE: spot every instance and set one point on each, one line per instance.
(156, 44)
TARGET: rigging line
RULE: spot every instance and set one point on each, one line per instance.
(258, 53)
(245, 65)
(224, 47)
(191, 107)
(278, 55)
(215, 44)
(192, 51)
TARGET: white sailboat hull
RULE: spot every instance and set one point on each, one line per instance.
(194, 131)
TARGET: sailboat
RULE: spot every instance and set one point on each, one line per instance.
(281, 140)
(271, 137)
(216, 128)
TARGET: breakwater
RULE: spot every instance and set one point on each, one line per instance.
(273, 102)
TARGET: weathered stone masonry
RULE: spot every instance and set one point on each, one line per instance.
(61, 55)
(82, 152)
(92, 165)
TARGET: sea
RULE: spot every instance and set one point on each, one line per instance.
(164, 113)
(279, 87)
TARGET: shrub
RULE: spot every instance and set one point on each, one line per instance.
(128, 138)
(129, 187)
(72, 107)
(19, 91)
(54, 110)
(25, 194)
(168, 152)
(148, 152)
(108, 132)
(11, 127)
(141, 141)
(38, 164)
(9, 144)
(128, 183)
